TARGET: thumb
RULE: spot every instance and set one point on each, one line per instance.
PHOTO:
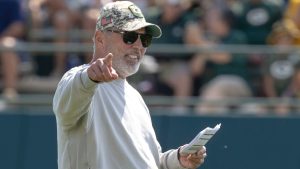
(108, 60)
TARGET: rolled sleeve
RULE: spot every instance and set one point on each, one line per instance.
(170, 160)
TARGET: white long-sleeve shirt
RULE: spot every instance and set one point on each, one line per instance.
(105, 126)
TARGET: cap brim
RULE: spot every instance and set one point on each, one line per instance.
(151, 28)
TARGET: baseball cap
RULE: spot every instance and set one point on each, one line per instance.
(125, 16)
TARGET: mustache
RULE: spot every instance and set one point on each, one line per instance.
(135, 52)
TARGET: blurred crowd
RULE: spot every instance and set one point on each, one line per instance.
(211, 76)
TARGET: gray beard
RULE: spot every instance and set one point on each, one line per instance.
(123, 69)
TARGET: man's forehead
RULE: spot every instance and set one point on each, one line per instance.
(141, 30)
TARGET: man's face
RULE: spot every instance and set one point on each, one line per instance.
(126, 57)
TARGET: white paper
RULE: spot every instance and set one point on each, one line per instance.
(200, 140)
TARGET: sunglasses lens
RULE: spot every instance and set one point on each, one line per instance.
(146, 40)
(130, 37)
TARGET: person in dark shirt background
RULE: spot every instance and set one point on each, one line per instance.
(11, 29)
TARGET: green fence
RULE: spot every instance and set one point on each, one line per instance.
(29, 140)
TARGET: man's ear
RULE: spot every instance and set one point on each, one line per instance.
(99, 38)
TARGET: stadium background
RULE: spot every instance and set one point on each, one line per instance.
(254, 134)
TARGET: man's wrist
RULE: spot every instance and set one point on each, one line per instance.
(94, 80)
(178, 156)
(87, 82)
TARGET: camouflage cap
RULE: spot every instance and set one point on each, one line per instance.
(125, 16)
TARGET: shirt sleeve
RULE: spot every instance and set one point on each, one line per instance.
(73, 97)
(169, 160)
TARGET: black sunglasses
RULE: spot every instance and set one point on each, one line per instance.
(131, 37)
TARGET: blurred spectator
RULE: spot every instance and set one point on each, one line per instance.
(11, 29)
(292, 92)
(217, 23)
(58, 17)
(216, 94)
(279, 69)
(173, 21)
(62, 19)
(88, 24)
(85, 14)
(257, 18)
(218, 31)
(292, 12)
(234, 5)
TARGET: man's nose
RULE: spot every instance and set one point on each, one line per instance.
(138, 43)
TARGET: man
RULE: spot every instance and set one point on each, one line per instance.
(11, 30)
(102, 121)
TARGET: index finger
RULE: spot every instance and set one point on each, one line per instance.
(108, 60)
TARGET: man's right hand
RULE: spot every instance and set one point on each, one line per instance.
(101, 70)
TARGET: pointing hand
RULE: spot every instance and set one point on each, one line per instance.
(101, 70)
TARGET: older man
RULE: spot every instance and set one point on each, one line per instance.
(102, 121)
